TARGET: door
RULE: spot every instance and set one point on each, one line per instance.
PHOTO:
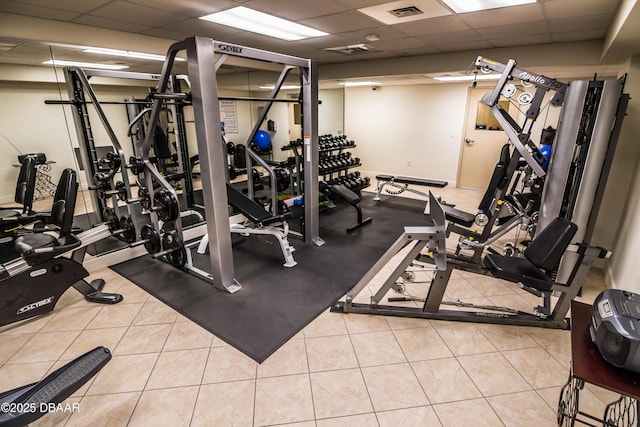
(483, 139)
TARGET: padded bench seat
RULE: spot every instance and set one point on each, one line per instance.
(462, 218)
(414, 181)
(516, 270)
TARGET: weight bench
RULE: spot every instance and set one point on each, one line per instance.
(401, 183)
(350, 197)
(259, 222)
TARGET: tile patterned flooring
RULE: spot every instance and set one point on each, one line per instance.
(341, 370)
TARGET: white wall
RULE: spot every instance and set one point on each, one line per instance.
(619, 221)
(331, 111)
(407, 130)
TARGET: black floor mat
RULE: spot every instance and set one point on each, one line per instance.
(276, 302)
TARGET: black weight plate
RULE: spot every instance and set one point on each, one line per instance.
(167, 204)
(122, 190)
(128, 229)
(109, 216)
(151, 238)
(178, 255)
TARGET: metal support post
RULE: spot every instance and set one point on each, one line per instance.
(204, 90)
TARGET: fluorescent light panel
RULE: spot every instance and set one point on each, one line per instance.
(467, 78)
(127, 53)
(60, 63)
(257, 22)
(356, 84)
(464, 6)
(283, 87)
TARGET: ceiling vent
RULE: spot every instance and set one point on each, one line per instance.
(354, 49)
(404, 12)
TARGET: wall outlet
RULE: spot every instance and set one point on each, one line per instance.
(408, 163)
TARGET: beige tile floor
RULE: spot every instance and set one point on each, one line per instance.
(355, 370)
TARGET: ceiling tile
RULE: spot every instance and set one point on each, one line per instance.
(341, 22)
(580, 23)
(555, 9)
(515, 30)
(356, 4)
(135, 13)
(385, 33)
(80, 6)
(297, 9)
(428, 9)
(191, 8)
(504, 16)
(97, 21)
(399, 44)
(521, 40)
(36, 11)
(477, 45)
(572, 36)
(200, 27)
(166, 34)
(440, 25)
(451, 38)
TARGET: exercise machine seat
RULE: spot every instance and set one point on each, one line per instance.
(541, 257)
(462, 218)
(25, 188)
(62, 211)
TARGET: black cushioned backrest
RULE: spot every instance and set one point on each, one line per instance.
(64, 202)
(247, 207)
(497, 179)
(26, 183)
(546, 250)
(161, 146)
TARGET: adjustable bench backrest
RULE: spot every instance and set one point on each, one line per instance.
(548, 246)
(247, 207)
(497, 181)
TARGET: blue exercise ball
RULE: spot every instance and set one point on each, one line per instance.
(546, 152)
(262, 140)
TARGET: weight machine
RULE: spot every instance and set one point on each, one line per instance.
(560, 255)
(204, 57)
(497, 202)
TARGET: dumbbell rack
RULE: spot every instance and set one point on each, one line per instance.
(336, 162)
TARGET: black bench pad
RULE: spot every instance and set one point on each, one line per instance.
(518, 269)
(414, 181)
(252, 210)
(345, 193)
(463, 218)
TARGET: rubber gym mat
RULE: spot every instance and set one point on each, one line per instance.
(276, 302)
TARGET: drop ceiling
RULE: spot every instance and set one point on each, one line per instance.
(439, 31)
